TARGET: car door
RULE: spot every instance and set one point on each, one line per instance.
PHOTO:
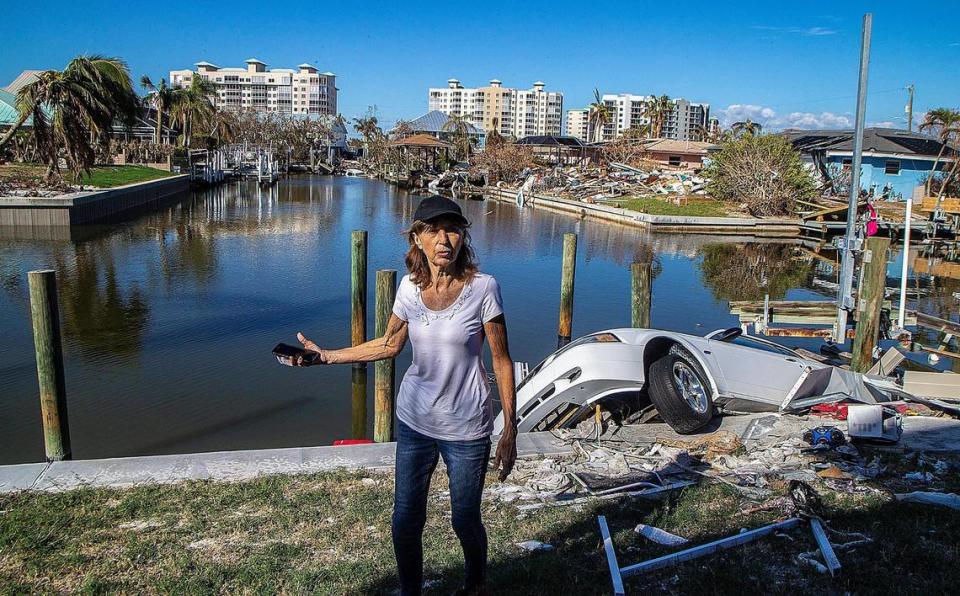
(756, 370)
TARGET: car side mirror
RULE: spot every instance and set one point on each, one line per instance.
(728, 335)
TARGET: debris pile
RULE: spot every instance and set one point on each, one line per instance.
(772, 451)
(607, 184)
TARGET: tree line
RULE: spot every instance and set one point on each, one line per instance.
(68, 116)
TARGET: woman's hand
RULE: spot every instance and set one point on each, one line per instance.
(310, 346)
(506, 452)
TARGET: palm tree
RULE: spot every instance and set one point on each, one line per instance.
(598, 114)
(658, 110)
(708, 134)
(192, 107)
(637, 132)
(946, 122)
(224, 127)
(161, 97)
(459, 127)
(746, 127)
(72, 108)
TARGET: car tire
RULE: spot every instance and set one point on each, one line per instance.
(684, 410)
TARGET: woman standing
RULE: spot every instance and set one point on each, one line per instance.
(447, 308)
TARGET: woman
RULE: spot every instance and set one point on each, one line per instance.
(447, 308)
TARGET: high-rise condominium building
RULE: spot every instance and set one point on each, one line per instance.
(578, 124)
(684, 123)
(283, 90)
(511, 112)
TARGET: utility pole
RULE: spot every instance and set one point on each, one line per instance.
(844, 298)
(910, 107)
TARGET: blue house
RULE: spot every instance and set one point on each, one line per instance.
(896, 163)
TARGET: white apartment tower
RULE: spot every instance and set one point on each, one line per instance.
(283, 90)
(511, 112)
(630, 111)
(578, 124)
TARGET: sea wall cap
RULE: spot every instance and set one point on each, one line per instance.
(434, 206)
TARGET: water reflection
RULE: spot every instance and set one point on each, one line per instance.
(749, 271)
(100, 314)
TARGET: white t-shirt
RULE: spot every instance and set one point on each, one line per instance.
(445, 393)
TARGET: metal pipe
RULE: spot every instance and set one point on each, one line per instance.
(844, 299)
(901, 317)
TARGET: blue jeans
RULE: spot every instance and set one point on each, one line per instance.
(466, 462)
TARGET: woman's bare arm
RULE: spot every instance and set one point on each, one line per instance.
(381, 348)
(496, 331)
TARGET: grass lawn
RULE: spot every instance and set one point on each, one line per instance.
(697, 208)
(110, 176)
(31, 175)
(330, 533)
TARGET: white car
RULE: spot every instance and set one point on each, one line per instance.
(686, 378)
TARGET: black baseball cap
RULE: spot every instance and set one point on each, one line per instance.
(435, 206)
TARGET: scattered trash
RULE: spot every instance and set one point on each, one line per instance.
(534, 545)
(927, 498)
(834, 473)
(925, 477)
(660, 536)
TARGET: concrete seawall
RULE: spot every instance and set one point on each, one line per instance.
(778, 228)
(89, 206)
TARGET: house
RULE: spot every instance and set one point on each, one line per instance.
(896, 163)
(678, 154)
(437, 125)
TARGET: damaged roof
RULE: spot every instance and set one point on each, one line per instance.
(876, 140)
(551, 141)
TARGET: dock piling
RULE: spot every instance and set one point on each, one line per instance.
(45, 314)
(384, 377)
(358, 328)
(566, 289)
(869, 302)
(640, 274)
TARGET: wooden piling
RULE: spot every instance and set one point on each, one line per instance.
(49, 350)
(869, 302)
(640, 295)
(358, 328)
(384, 378)
(566, 289)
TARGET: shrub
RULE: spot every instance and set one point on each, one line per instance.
(763, 171)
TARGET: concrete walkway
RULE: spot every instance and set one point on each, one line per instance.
(224, 465)
(919, 434)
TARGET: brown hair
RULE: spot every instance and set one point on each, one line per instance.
(465, 267)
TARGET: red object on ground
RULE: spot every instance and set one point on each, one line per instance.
(837, 411)
(342, 442)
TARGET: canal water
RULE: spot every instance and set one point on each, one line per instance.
(169, 319)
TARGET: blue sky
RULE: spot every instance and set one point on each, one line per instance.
(783, 64)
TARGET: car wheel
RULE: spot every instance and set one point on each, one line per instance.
(680, 391)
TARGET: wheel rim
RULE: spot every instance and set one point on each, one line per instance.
(690, 387)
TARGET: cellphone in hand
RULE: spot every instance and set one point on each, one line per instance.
(287, 355)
